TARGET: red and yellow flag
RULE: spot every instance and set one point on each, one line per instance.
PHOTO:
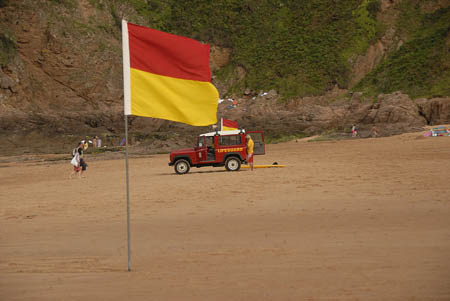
(167, 76)
(228, 125)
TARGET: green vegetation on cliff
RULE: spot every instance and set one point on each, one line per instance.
(7, 48)
(421, 67)
(296, 47)
(304, 47)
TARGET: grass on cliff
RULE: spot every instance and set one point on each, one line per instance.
(298, 48)
(302, 48)
(295, 47)
(8, 49)
(421, 67)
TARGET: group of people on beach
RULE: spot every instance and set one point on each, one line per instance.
(78, 162)
(373, 131)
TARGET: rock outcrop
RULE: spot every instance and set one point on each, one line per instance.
(391, 113)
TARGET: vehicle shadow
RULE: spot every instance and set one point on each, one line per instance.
(196, 172)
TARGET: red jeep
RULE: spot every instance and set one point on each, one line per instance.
(224, 148)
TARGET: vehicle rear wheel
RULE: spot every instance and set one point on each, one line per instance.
(182, 167)
(233, 164)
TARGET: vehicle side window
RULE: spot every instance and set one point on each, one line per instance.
(209, 142)
(230, 140)
(257, 137)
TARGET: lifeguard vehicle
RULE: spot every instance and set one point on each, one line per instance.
(217, 149)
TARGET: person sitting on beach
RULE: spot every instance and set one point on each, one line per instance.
(374, 132)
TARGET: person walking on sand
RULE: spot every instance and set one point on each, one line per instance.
(85, 144)
(76, 162)
(354, 131)
(81, 148)
(250, 146)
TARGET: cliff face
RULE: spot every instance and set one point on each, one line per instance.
(65, 75)
(61, 79)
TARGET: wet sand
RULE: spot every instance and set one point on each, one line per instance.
(363, 219)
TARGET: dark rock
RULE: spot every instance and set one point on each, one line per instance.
(435, 111)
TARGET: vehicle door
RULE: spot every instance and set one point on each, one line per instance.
(258, 140)
(200, 149)
(210, 148)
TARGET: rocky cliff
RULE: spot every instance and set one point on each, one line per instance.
(61, 79)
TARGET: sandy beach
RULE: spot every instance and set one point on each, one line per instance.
(362, 219)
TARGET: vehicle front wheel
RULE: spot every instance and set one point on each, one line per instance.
(182, 167)
(233, 164)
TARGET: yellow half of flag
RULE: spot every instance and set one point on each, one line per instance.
(188, 101)
(225, 128)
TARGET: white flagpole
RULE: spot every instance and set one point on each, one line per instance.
(128, 194)
(221, 123)
(127, 111)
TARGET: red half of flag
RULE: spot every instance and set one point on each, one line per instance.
(229, 125)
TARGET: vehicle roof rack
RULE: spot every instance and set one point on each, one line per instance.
(224, 133)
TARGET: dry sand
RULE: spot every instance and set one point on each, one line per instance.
(346, 220)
